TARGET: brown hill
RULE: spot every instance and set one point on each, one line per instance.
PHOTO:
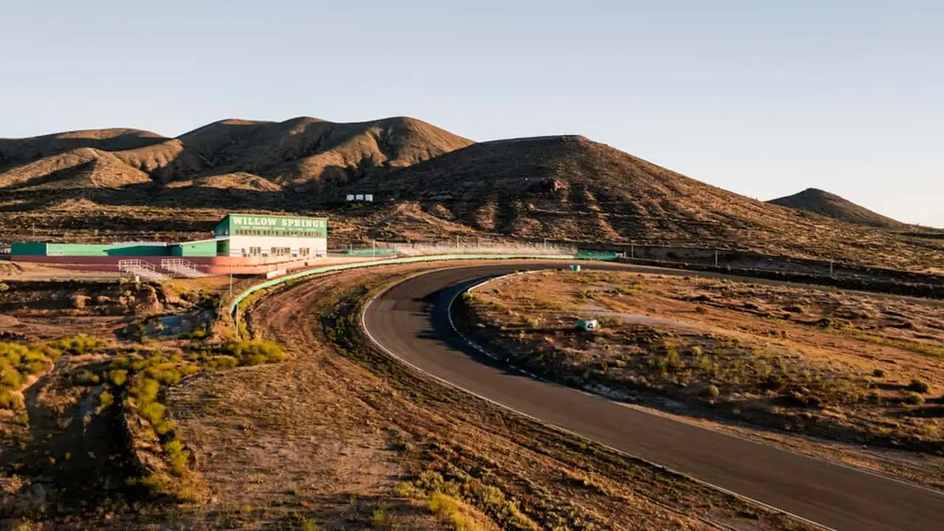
(573, 188)
(303, 150)
(428, 184)
(295, 152)
(75, 169)
(831, 205)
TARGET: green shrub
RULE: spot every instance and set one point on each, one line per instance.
(178, 456)
(153, 411)
(34, 367)
(10, 400)
(11, 378)
(380, 519)
(145, 390)
(165, 373)
(106, 399)
(713, 392)
(447, 509)
(77, 345)
(254, 352)
(118, 377)
(223, 362)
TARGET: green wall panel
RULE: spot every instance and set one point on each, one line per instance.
(201, 248)
(28, 249)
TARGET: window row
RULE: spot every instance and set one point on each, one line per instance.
(254, 232)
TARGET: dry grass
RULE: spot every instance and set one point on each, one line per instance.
(850, 367)
(385, 442)
(333, 435)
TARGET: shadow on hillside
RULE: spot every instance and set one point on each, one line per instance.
(14, 152)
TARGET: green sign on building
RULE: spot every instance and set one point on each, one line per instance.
(260, 225)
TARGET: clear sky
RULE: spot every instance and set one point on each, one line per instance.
(761, 97)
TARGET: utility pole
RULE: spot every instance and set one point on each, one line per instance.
(457, 242)
(231, 280)
(716, 258)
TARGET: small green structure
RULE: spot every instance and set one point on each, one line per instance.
(87, 249)
(588, 254)
(196, 248)
(587, 324)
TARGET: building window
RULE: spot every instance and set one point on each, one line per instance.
(304, 251)
(255, 251)
(281, 251)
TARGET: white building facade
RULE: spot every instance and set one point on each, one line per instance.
(272, 236)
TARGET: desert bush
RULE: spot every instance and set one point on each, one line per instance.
(76, 345)
(11, 378)
(106, 399)
(917, 386)
(177, 455)
(803, 398)
(118, 377)
(713, 392)
(223, 362)
(878, 373)
(380, 519)
(254, 351)
(165, 373)
(447, 509)
(430, 481)
(145, 390)
(10, 400)
(86, 378)
(913, 399)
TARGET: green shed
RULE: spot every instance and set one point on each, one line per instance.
(195, 248)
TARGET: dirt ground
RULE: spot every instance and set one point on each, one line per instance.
(365, 435)
(853, 368)
(337, 437)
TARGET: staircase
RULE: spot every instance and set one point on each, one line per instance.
(178, 267)
(140, 269)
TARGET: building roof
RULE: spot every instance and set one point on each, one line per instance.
(202, 241)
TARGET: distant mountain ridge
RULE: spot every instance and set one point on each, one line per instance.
(831, 205)
(428, 184)
(295, 152)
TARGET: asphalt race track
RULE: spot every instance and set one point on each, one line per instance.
(410, 321)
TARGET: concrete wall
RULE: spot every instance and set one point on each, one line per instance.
(207, 264)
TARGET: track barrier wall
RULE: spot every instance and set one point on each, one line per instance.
(234, 304)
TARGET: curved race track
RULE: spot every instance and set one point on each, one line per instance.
(410, 321)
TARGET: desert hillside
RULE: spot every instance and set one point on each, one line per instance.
(295, 152)
(429, 184)
(572, 188)
(831, 205)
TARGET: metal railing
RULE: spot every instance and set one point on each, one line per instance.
(140, 269)
(179, 267)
